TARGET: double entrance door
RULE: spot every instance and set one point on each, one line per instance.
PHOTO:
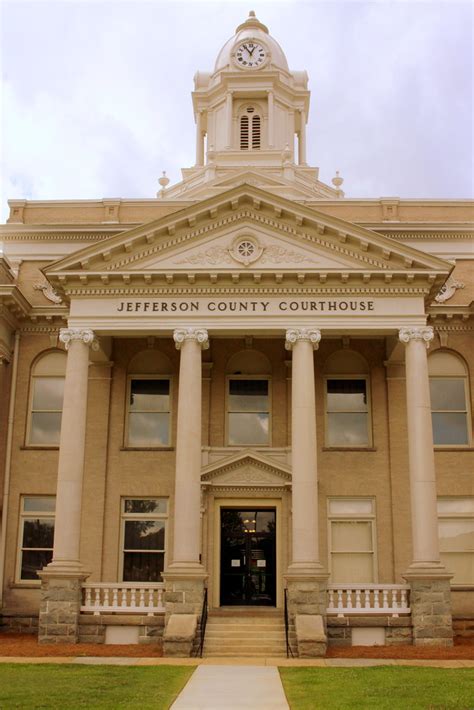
(248, 556)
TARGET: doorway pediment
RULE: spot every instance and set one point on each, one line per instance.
(248, 469)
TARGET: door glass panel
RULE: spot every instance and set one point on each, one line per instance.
(248, 557)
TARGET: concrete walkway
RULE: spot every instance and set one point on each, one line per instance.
(232, 688)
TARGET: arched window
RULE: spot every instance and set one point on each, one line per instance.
(347, 400)
(248, 399)
(149, 401)
(449, 399)
(46, 399)
(250, 130)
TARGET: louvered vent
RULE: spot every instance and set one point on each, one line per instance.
(244, 133)
(255, 132)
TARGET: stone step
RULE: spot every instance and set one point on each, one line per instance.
(237, 649)
(237, 635)
(240, 653)
(262, 620)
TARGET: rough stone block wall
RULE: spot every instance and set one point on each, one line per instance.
(59, 610)
(431, 612)
(92, 628)
(306, 598)
(19, 623)
(463, 629)
(398, 630)
(183, 597)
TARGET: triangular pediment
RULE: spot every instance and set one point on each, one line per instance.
(246, 469)
(288, 235)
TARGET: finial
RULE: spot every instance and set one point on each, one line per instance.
(252, 22)
(252, 13)
(163, 181)
(337, 182)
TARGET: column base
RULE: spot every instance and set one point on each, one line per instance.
(430, 601)
(184, 589)
(60, 605)
(307, 589)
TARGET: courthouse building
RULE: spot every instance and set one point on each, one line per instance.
(248, 394)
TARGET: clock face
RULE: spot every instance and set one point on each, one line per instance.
(250, 55)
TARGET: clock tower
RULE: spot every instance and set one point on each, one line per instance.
(251, 114)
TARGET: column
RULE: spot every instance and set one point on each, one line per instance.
(185, 576)
(270, 119)
(229, 123)
(306, 579)
(62, 578)
(429, 580)
(199, 139)
(302, 139)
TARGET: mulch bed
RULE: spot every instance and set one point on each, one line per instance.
(12, 644)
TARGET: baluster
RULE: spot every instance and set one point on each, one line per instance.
(123, 597)
(340, 605)
(358, 604)
(385, 599)
(106, 596)
(376, 599)
(394, 602)
(141, 593)
(133, 598)
(88, 599)
(331, 598)
(160, 598)
(366, 598)
(404, 599)
(115, 592)
(97, 601)
(349, 599)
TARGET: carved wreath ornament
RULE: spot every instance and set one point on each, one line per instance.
(246, 249)
(48, 292)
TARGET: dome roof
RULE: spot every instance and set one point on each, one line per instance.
(252, 28)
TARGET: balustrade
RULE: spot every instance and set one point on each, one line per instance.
(132, 598)
(345, 600)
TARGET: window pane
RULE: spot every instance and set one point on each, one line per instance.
(456, 535)
(141, 505)
(45, 428)
(248, 395)
(352, 568)
(248, 429)
(456, 505)
(148, 429)
(143, 566)
(462, 564)
(39, 504)
(449, 428)
(358, 507)
(150, 395)
(347, 429)
(144, 535)
(351, 536)
(32, 561)
(48, 393)
(447, 393)
(38, 533)
(346, 396)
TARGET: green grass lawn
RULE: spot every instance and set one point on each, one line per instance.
(383, 687)
(69, 687)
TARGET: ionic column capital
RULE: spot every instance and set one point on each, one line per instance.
(85, 335)
(424, 333)
(180, 335)
(310, 335)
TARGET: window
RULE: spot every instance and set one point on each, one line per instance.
(456, 537)
(347, 400)
(143, 539)
(46, 399)
(449, 398)
(250, 130)
(248, 412)
(149, 412)
(352, 540)
(35, 536)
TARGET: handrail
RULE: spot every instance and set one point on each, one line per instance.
(287, 634)
(202, 632)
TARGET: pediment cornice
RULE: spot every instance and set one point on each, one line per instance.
(364, 255)
(246, 469)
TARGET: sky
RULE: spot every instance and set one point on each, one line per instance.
(96, 95)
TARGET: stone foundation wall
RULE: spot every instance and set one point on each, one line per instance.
(183, 596)
(306, 597)
(463, 629)
(92, 628)
(398, 630)
(430, 601)
(19, 623)
(59, 610)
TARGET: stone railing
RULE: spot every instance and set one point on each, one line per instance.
(123, 597)
(348, 599)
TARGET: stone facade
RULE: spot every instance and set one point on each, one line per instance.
(59, 609)
(431, 612)
(398, 630)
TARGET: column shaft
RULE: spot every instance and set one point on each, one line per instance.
(187, 504)
(229, 118)
(270, 119)
(304, 454)
(302, 140)
(71, 451)
(420, 448)
(199, 139)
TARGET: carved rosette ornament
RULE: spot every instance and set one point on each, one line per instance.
(310, 335)
(85, 335)
(424, 333)
(198, 334)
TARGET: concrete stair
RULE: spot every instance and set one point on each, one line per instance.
(246, 635)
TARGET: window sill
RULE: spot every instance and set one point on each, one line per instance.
(349, 448)
(25, 585)
(33, 447)
(147, 448)
(453, 448)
